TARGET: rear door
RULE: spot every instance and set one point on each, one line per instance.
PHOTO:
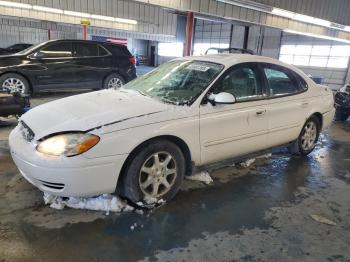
(56, 68)
(93, 63)
(288, 105)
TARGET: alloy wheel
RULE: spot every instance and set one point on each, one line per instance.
(158, 174)
(13, 85)
(115, 83)
(308, 139)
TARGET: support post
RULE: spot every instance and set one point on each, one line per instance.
(189, 33)
(85, 32)
(49, 34)
(246, 36)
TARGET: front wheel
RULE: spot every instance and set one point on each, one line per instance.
(156, 172)
(14, 83)
(308, 137)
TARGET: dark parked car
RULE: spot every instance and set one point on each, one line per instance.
(342, 103)
(13, 104)
(12, 49)
(67, 64)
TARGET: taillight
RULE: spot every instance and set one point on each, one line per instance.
(132, 60)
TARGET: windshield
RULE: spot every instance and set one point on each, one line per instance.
(28, 50)
(177, 82)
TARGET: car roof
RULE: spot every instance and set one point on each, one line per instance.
(86, 41)
(229, 60)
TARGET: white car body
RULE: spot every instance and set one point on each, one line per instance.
(124, 119)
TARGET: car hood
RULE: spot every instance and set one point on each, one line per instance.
(10, 60)
(91, 111)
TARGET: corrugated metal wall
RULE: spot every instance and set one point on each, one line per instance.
(151, 19)
(232, 12)
(15, 30)
(212, 32)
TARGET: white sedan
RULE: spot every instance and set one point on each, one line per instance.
(141, 140)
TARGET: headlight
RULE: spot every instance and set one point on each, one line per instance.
(70, 144)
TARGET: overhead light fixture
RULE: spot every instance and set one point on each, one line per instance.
(15, 4)
(283, 13)
(302, 18)
(66, 12)
(248, 4)
(318, 21)
(78, 14)
(114, 19)
(317, 36)
(47, 9)
(127, 21)
(102, 17)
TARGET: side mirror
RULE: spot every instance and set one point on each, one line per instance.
(222, 98)
(37, 55)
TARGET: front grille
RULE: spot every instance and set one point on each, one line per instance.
(27, 133)
(52, 185)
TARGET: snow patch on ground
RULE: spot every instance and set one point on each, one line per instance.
(105, 202)
(203, 176)
(247, 163)
(250, 161)
(266, 156)
(150, 202)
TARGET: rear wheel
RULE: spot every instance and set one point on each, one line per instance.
(156, 172)
(14, 83)
(308, 137)
(113, 81)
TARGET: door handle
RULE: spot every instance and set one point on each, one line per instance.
(260, 112)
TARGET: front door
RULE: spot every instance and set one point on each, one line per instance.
(232, 130)
(57, 69)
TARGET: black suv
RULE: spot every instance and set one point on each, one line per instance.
(67, 64)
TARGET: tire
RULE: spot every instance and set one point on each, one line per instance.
(340, 116)
(113, 81)
(14, 83)
(134, 182)
(306, 142)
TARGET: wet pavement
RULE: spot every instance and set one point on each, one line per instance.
(259, 213)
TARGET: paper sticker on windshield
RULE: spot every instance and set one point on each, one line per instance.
(197, 67)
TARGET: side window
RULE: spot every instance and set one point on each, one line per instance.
(102, 51)
(243, 82)
(86, 50)
(118, 50)
(281, 81)
(57, 50)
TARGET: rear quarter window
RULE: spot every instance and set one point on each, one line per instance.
(282, 81)
(118, 50)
